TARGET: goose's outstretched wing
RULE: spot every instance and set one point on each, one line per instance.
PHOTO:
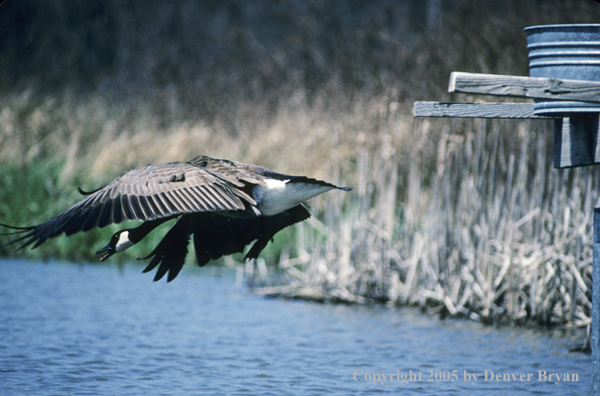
(145, 193)
(216, 236)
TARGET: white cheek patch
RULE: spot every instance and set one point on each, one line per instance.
(124, 243)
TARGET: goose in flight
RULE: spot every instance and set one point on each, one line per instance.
(224, 205)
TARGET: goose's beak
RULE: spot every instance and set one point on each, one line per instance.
(109, 252)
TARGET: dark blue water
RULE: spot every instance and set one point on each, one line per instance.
(97, 330)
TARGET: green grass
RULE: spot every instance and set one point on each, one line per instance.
(37, 192)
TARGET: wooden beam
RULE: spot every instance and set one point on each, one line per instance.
(595, 308)
(576, 141)
(528, 87)
(474, 110)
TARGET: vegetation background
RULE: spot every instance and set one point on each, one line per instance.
(462, 217)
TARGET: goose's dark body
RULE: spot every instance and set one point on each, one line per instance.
(224, 204)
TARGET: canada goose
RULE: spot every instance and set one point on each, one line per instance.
(224, 204)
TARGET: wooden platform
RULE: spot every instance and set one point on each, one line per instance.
(576, 137)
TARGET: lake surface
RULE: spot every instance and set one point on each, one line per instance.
(91, 329)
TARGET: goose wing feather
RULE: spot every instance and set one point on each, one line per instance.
(145, 193)
(233, 172)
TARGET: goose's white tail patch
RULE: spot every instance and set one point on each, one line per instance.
(279, 195)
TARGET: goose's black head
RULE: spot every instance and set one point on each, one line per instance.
(118, 243)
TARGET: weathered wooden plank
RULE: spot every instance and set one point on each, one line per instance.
(474, 110)
(576, 141)
(528, 87)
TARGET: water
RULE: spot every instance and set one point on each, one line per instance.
(97, 330)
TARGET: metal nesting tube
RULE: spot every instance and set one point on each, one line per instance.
(565, 52)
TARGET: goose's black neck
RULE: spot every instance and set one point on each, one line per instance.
(139, 233)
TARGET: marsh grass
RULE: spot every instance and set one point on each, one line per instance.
(486, 230)
(52, 146)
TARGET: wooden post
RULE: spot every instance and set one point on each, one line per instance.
(595, 338)
(576, 141)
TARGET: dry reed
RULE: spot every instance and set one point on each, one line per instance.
(488, 230)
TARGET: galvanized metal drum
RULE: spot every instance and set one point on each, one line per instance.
(566, 52)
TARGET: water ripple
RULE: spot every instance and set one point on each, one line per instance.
(67, 329)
